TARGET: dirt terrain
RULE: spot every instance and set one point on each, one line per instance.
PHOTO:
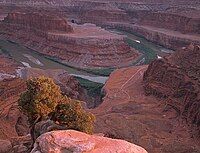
(127, 113)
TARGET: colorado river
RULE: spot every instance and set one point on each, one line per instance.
(30, 58)
(149, 50)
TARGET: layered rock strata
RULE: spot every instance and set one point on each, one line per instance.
(127, 113)
(87, 46)
(177, 79)
(39, 21)
(180, 16)
(13, 122)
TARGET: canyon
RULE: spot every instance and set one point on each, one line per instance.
(172, 24)
(139, 106)
(150, 121)
(176, 78)
(139, 59)
(82, 46)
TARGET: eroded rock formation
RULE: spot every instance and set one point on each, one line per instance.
(167, 19)
(78, 142)
(87, 46)
(127, 113)
(38, 21)
(13, 122)
(177, 78)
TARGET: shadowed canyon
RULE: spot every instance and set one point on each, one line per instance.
(133, 64)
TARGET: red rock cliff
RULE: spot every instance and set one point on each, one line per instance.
(39, 21)
(88, 46)
(170, 21)
(177, 78)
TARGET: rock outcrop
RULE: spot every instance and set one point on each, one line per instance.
(177, 79)
(77, 142)
(174, 18)
(127, 113)
(13, 122)
(39, 21)
(171, 21)
(87, 46)
(8, 67)
(165, 37)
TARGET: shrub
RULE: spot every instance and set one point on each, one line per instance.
(71, 115)
(40, 99)
(43, 99)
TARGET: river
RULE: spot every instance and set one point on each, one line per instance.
(30, 58)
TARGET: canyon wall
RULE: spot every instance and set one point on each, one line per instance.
(177, 79)
(170, 21)
(39, 21)
(87, 46)
(167, 38)
(127, 113)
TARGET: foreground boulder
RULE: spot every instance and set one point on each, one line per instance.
(73, 141)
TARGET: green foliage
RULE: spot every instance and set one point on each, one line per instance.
(93, 88)
(71, 115)
(43, 99)
(40, 99)
(101, 71)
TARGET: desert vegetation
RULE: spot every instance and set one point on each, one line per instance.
(43, 101)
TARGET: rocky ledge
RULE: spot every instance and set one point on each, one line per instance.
(177, 79)
(77, 142)
(127, 113)
(38, 21)
(86, 46)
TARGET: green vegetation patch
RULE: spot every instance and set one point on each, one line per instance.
(43, 101)
(101, 71)
(4, 51)
(93, 88)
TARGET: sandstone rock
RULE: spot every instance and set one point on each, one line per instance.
(20, 140)
(184, 24)
(87, 46)
(168, 38)
(180, 16)
(77, 142)
(177, 78)
(5, 146)
(127, 113)
(20, 149)
(13, 122)
(38, 21)
(7, 67)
